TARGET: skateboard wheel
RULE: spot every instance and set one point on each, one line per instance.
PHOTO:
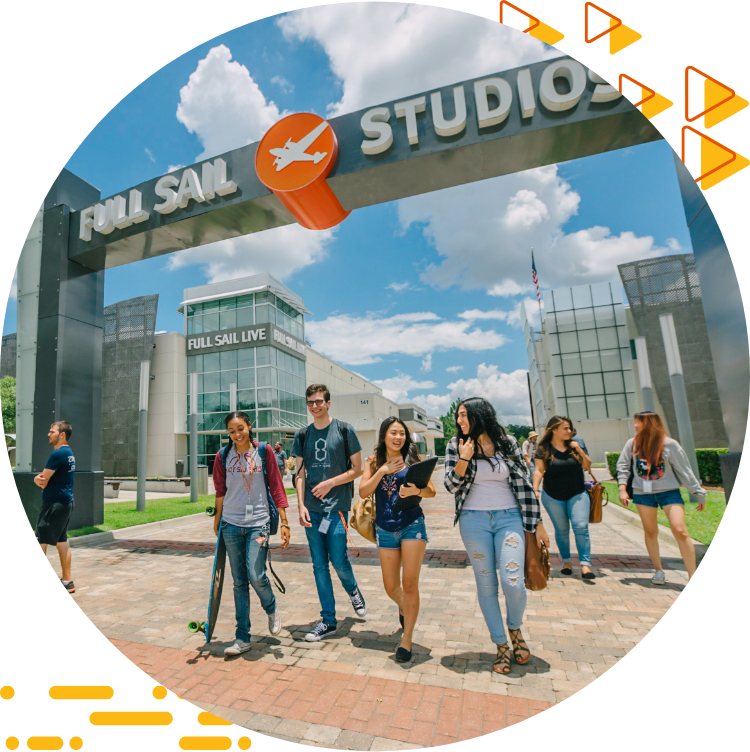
(194, 627)
(211, 511)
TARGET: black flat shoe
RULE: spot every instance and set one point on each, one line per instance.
(401, 619)
(403, 655)
(566, 570)
(589, 576)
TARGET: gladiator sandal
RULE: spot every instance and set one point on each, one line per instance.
(502, 662)
(521, 652)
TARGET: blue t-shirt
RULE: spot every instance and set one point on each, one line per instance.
(325, 458)
(60, 485)
(386, 496)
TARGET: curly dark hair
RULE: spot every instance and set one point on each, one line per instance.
(241, 416)
(545, 450)
(483, 419)
(380, 457)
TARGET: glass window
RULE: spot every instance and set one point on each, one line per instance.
(561, 407)
(585, 318)
(244, 300)
(227, 378)
(263, 356)
(211, 402)
(613, 382)
(629, 380)
(213, 421)
(593, 383)
(264, 314)
(246, 357)
(563, 299)
(568, 342)
(191, 327)
(246, 399)
(211, 305)
(268, 398)
(601, 293)
(632, 404)
(228, 304)
(577, 408)
(608, 338)
(611, 360)
(556, 365)
(622, 335)
(227, 319)
(554, 344)
(549, 303)
(620, 316)
(587, 340)
(212, 382)
(565, 321)
(224, 401)
(201, 403)
(605, 316)
(617, 406)
(626, 356)
(264, 419)
(213, 444)
(573, 386)
(597, 408)
(267, 377)
(590, 362)
(246, 378)
(262, 297)
(211, 362)
(194, 363)
(559, 386)
(228, 360)
(582, 296)
(211, 322)
(194, 309)
(245, 317)
(571, 363)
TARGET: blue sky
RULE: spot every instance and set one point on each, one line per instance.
(403, 291)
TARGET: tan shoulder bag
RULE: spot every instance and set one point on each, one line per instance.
(363, 518)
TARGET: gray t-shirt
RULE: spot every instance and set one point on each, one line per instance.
(325, 458)
(237, 502)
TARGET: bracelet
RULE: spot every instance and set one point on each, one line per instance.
(283, 524)
(460, 459)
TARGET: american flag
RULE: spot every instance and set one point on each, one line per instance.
(535, 277)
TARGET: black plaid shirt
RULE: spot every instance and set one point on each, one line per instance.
(520, 482)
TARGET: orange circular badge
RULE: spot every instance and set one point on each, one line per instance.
(293, 160)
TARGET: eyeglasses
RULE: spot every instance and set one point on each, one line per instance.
(317, 403)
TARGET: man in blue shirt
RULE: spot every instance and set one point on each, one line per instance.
(56, 482)
(332, 459)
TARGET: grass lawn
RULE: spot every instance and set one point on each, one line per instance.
(701, 525)
(119, 514)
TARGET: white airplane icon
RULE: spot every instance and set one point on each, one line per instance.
(297, 152)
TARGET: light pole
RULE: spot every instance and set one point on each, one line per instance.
(644, 374)
(140, 503)
(193, 438)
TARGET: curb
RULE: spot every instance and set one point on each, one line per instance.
(665, 536)
(94, 539)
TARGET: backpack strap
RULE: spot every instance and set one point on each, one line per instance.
(225, 454)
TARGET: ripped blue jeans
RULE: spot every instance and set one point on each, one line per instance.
(495, 542)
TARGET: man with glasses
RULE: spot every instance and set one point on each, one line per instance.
(328, 459)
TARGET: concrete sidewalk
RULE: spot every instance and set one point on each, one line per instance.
(348, 692)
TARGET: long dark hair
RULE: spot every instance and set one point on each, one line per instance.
(381, 453)
(483, 419)
(544, 447)
(241, 416)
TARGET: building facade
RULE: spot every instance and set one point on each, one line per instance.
(8, 356)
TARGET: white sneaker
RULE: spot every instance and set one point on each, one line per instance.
(274, 622)
(659, 578)
(237, 647)
(358, 603)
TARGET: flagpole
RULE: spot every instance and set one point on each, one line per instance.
(538, 297)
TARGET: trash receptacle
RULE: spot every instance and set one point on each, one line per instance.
(202, 480)
(179, 469)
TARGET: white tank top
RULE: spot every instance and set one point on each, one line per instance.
(491, 490)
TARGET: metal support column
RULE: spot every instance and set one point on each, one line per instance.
(140, 503)
(644, 374)
(193, 396)
(232, 397)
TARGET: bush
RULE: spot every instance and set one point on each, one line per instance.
(440, 445)
(709, 465)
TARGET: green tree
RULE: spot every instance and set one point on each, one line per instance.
(520, 432)
(449, 429)
(8, 402)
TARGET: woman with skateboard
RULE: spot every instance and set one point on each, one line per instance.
(247, 479)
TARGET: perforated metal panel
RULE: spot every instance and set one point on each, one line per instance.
(128, 339)
(8, 357)
(671, 285)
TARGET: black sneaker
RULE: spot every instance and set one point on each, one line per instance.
(320, 631)
(69, 586)
(358, 603)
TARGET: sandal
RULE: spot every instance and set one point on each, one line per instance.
(519, 646)
(502, 662)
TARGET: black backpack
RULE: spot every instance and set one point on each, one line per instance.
(345, 434)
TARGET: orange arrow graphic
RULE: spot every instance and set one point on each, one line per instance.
(714, 159)
(539, 30)
(713, 106)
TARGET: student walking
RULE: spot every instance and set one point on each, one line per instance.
(659, 467)
(495, 507)
(280, 458)
(401, 535)
(247, 480)
(561, 462)
(330, 454)
(56, 482)
(528, 448)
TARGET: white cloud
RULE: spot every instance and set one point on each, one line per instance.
(360, 340)
(174, 167)
(427, 364)
(454, 369)
(476, 315)
(398, 286)
(283, 84)
(484, 232)
(397, 388)
(223, 105)
(280, 251)
(149, 154)
(383, 51)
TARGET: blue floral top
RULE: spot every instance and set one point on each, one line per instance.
(386, 496)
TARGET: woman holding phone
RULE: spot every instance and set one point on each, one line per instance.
(401, 534)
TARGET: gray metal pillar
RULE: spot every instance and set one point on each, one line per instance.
(193, 398)
(679, 393)
(140, 503)
(725, 319)
(644, 374)
(232, 397)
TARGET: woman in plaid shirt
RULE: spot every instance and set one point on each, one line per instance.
(495, 505)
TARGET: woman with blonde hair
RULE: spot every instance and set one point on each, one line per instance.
(659, 467)
(560, 460)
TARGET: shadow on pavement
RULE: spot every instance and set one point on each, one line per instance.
(645, 582)
(462, 663)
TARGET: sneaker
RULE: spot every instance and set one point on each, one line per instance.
(237, 647)
(274, 622)
(659, 578)
(320, 631)
(358, 603)
(69, 586)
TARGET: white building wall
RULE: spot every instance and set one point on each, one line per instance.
(339, 380)
(167, 406)
(365, 411)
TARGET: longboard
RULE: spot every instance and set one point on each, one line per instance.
(217, 583)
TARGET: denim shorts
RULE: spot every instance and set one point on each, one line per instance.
(415, 531)
(659, 499)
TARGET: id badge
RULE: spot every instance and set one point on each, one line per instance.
(648, 486)
(324, 525)
(248, 511)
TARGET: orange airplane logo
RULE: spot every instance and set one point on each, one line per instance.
(293, 160)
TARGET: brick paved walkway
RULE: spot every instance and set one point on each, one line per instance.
(348, 692)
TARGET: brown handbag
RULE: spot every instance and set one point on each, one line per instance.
(597, 493)
(536, 565)
(363, 518)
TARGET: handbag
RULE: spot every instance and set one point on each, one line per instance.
(363, 518)
(596, 493)
(536, 564)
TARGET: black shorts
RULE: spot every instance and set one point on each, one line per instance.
(52, 525)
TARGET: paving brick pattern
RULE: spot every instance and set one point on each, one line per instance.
(348, 692)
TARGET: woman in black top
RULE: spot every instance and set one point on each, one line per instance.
(562, 462)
